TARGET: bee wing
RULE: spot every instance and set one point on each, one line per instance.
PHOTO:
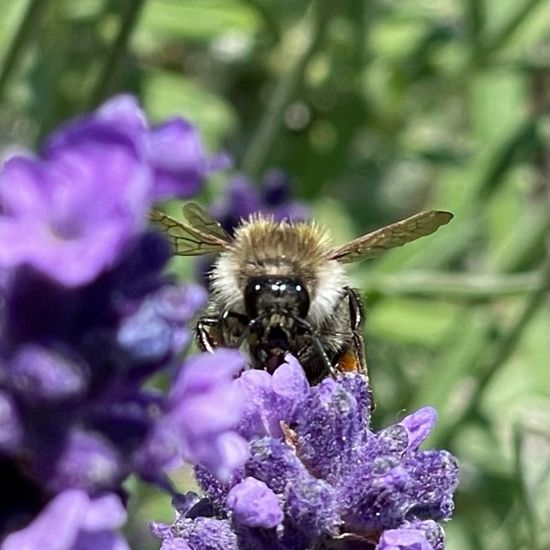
(186, 239)
(397, 234)
(200, 219)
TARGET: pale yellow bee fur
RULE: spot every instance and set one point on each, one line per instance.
(299, 250)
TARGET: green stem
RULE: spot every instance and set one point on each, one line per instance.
(455, 286)
(108, 71)
(262, 140)
(22, 37)
(514, 22)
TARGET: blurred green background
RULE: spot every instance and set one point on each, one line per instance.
(378, 109)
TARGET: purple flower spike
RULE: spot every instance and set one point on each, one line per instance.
(338, 483)
(88, 316)
(73, 521)
(254, 504)
(403, 539)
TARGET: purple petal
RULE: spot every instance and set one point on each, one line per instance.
(180, 303)
(11, 432)
(271, 399)
(73, 521)
(419, 426)
(88, 462)
(294, 210)
(207, 371)
(100, 540)
(220, 161)
(57, 526)
(64, 231)
(254, 504)
(289, 380)
(177, 154)
(220, 453)
(105, 512)
(145, 335)
(125, 110)
(20, 190)
(403, 539)
(205, 406)
(40, 374)
(276, 187)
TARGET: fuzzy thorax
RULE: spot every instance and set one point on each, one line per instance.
(265, 247)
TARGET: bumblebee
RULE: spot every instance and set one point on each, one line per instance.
(281, 287)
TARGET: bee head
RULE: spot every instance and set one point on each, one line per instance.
(293, 254)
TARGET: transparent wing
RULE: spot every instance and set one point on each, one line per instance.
(397, 234)
(200, 219)
(185, 239)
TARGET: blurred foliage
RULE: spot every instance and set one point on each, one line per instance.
(378, 108)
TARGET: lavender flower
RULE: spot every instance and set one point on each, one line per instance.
(88, 317)
(72, 212)
(318, 477)
(173, 150)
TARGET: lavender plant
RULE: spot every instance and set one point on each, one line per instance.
(87, 318)
(318, 477)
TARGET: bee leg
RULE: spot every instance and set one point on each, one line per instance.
(331, 369)
(356, 309)
(357, 320)
(208, 334)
